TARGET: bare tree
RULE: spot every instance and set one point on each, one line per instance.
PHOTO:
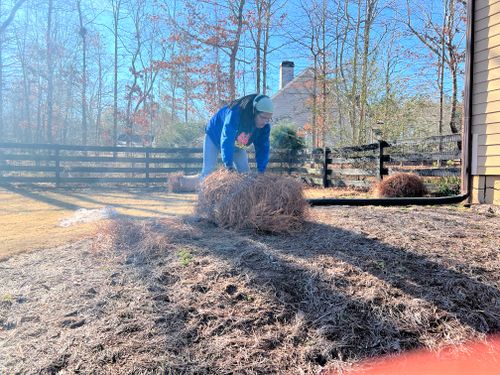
(316, 35)
(83, 35)
(444, 39)
(147, 54)
(10, 17)
(50, 71)
(224, 35)
(370, 12)
(24, 60)
(264, 17)
(116, 8)
(3, 27)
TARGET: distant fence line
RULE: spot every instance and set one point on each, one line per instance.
(361, 166)
(357, 166)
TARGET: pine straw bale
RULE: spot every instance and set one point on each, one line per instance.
(401, 185)
(174, 182)
(268, 202)
(177, 182)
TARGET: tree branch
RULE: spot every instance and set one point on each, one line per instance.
(12, 14)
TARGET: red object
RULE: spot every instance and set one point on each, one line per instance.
(479, 358)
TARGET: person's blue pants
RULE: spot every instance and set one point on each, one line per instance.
(210, 153)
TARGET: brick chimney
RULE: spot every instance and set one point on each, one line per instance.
(286, 73)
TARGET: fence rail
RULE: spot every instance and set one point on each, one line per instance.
(70, 164)
(358, 166)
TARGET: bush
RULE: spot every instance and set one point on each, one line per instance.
(284, 137)
(286, 144)
(179, 134)
(401, 185)
(447, 186)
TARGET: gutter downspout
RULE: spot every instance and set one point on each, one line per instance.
(466, 145)
(420, 201)
(467, 124)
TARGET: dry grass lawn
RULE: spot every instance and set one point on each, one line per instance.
(30, 218)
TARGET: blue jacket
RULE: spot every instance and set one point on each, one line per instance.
(223, 131)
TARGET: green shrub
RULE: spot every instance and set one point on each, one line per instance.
(286, 144)
(185, 257)
(284, 137)
(179, 134)
(449, 185)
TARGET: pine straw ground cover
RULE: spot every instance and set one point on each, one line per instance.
(180, 296)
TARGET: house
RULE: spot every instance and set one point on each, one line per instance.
(481, 136)
(291, 102)
(134, 140)
(294, 101)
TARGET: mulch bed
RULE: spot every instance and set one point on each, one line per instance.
(182, 296)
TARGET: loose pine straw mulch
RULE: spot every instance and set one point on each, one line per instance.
(185, 297)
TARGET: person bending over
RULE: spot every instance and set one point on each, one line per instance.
(233, 129)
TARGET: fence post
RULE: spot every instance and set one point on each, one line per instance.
(58, 166)
(381, 159)
(326, 152)
(147, 168)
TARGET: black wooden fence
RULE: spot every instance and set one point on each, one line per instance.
(67, 164)
(357, 166)
(361, 166)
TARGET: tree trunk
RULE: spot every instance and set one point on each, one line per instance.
(441, 77)
(69, 105)
(258, 38)
(173, 98)
(453, 65)
(39, 122)
(99, 99)
(50, 74)
(26, 116)
(234, 51)
(83, 34)
(314, 125)
(323, 76)
(3, 28)
(368, 22)
(186, 98)
(116, 18)
(2, 135)
(354, 86)
(453, 122)
(265, 47)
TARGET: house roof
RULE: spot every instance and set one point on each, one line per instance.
(300, 83)
(291, 103)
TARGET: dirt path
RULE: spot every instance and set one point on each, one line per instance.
(179, 296)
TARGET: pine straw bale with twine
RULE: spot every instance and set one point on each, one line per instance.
(266, 202)
(177, 182)
(401, 185)
(174, 182)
